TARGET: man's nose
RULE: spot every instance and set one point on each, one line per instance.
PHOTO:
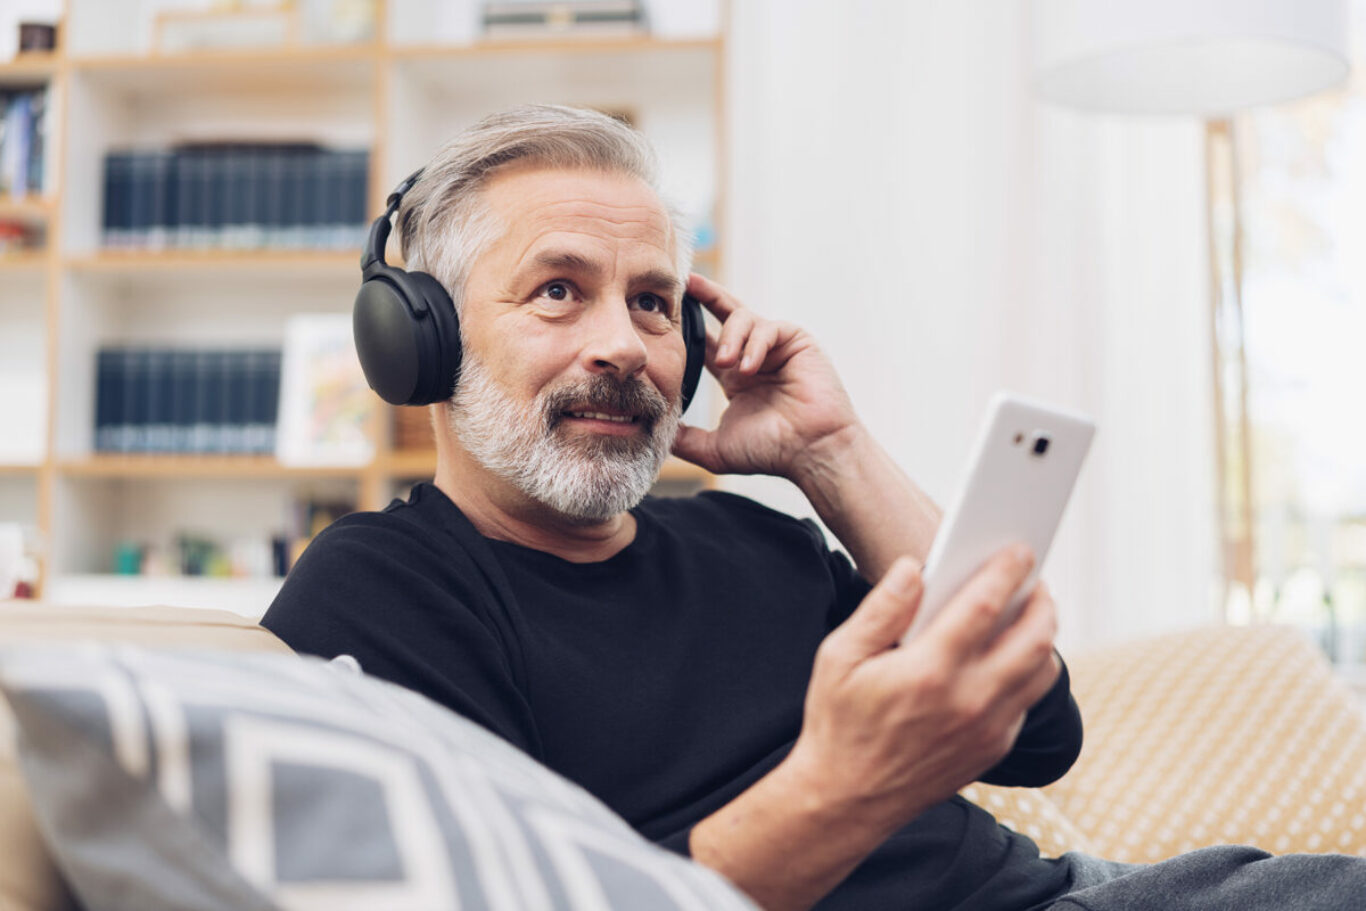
(614, 342)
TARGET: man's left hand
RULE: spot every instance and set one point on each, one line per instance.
(786, 405)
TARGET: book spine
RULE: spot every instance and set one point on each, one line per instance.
(253, 199)
(274, 186)
(200, 168)
(135, 398)
(268, 400)
(296, 165)
(235, 216)
(158, 166)
(109, 219)
(205, 437)
(184, 396)
(216, 210)
(170, 199)
(311, 230)
(236, 391)
(139, 199)
(357, 215)
(38, 145)
(157, 432)
(18, 132)
(186, 203)
(107, 396)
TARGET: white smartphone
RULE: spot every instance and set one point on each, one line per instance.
(1023, 467)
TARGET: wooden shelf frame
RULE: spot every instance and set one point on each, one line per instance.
(27, 207)
(23, 261)
(366, 75)
(30, 68)
(136, 262)
(224, 467)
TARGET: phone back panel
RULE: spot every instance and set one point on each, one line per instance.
(1011, 494)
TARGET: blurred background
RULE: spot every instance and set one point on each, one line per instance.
(924, 185)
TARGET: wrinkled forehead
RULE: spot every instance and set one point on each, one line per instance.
(533, 205)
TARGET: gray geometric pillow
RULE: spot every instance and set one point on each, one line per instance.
(180, 781)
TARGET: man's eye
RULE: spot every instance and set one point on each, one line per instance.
(651, 303)
(557, 291)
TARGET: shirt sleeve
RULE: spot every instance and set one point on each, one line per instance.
(1049, 742)
(361, 589)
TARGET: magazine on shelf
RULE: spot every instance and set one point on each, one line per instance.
(325, 403)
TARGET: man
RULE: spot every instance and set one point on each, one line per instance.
(706, 666)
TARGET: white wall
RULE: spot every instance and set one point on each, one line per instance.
(895, 189)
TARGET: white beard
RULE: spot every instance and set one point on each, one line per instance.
(587, 479)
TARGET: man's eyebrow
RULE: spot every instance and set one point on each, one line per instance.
(659, 280)
(570, 262)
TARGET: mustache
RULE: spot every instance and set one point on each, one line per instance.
(606, 392)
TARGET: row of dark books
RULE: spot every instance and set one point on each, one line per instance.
(182, 400)
(23, 131)
(236, 196)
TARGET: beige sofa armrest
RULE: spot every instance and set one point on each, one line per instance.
(1216, 736)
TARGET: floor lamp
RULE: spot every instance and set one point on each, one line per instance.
(1206, 59)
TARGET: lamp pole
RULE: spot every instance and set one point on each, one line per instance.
(1236, 526)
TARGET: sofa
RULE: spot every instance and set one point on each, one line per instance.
(1225, 735)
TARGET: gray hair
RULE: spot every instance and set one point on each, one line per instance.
(443, 223)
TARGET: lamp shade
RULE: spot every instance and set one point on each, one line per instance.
(1206, 57)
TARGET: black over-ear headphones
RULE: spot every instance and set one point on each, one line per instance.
(408, 336)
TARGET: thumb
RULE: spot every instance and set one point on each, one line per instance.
(886, 612)
(693, 444)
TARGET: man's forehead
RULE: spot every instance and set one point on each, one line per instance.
(560, 213)
(563, 195)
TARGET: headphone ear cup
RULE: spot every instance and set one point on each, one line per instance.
(443, 326)
(407, 336)
(695, 343)
(386, 340)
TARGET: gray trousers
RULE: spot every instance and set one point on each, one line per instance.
(1228, 878)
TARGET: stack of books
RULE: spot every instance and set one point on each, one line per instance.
(236, 196)
(180, 400)
(23, 126)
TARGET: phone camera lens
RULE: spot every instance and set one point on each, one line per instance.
(1040, 445)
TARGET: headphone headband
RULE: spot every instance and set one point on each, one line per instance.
(378, 239)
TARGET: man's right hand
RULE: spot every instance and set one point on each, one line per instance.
(888, 731)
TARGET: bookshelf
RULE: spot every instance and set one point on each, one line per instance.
(422, 75)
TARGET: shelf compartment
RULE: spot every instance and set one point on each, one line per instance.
(196, 466)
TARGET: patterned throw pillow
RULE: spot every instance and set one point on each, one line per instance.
(180, 780)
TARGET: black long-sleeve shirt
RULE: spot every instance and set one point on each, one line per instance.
(666, 680)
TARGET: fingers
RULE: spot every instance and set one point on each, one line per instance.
(712, 296)
(1023, 657)
(972, 616)
(883, 617)
(745, 339)
(735, 334)
(762, 340)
